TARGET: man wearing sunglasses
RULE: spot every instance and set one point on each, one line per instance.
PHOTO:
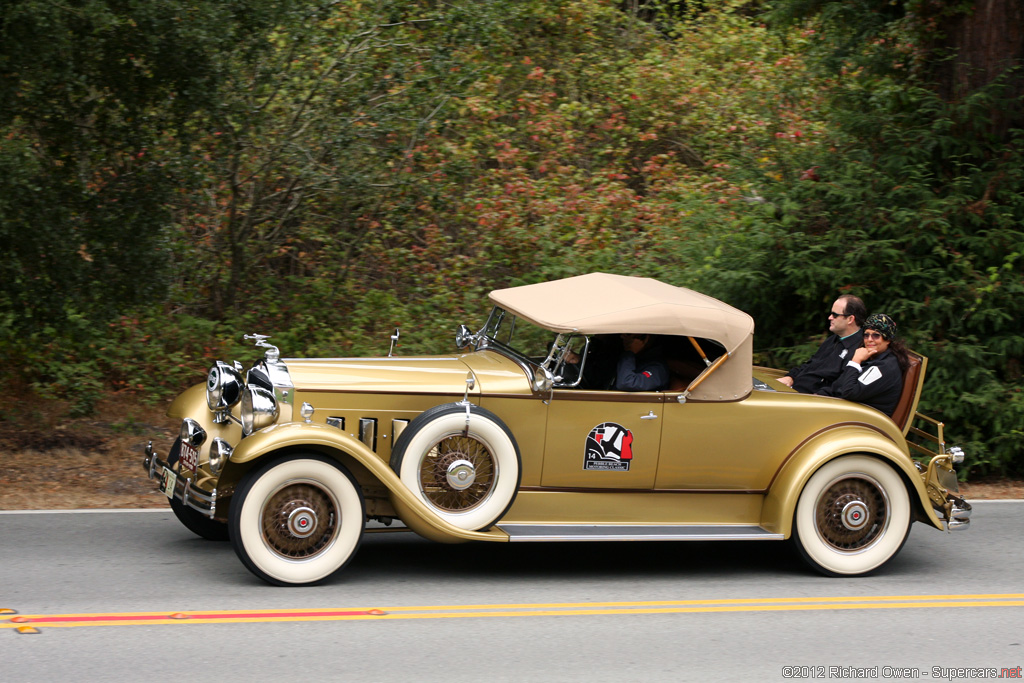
(845, 319)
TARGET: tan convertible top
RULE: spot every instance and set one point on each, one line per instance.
(602, 303)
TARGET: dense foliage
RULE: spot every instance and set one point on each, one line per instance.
(324, 172)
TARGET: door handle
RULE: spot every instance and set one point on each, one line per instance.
(649, 416)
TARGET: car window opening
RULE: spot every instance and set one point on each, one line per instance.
(686, 357)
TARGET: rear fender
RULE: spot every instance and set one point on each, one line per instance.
(292, 437)
(784, 492)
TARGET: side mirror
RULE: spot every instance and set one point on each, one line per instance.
(463, 337)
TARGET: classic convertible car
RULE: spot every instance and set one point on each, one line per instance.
(518, 438)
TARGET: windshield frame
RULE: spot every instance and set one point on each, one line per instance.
(498, 334)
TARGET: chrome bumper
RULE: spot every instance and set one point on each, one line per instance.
(960, 514)
(941, 482)
(197, 499)
(956, 514)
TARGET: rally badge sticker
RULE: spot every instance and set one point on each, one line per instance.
(609, 447)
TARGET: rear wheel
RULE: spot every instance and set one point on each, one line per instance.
(195, 521)
(853, 516)
(297, 520)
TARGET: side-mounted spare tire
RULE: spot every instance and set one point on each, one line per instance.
(466, 472)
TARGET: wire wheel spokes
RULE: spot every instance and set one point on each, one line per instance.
(300, 520)
(852, 513)
(458, 473)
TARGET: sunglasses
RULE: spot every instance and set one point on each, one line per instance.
(873, 335)
(833, 314)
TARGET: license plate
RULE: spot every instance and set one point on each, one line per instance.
(189, 457)
(168, 482)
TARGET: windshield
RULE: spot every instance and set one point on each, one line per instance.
(523, 337)
(534, 345)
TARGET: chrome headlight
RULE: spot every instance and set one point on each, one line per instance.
(220, 451)
(223, 386)
(259, 409)
(191, 433)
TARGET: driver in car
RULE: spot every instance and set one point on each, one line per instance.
(642, 365)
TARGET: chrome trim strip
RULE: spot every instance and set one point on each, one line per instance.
(588, 489)
(368, 432)
(622, 532)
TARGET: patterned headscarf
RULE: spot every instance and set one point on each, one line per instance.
(880, 322)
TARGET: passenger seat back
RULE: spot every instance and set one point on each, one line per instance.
(913, 380)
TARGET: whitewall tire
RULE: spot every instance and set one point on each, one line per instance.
(467, 474)
(297, 520)
(852, 517)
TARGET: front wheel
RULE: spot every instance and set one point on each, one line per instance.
(853, 516)
(297, 520)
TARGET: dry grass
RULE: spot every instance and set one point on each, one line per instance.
(50, 462)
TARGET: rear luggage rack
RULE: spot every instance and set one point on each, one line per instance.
(940, 479)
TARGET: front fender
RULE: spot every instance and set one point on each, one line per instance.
(344, 448)
(190, 403)
(784, 492)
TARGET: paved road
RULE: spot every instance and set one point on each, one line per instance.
(483, 612)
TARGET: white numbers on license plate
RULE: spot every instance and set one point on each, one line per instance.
(189, 457)
(167, 485)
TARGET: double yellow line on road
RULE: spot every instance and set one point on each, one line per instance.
(33, 622)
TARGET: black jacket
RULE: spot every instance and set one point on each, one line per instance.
(877, 383)
(826, 364)
(646, 371)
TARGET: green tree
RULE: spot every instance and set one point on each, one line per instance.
(954, 47)
(95, 99)
(913, 202)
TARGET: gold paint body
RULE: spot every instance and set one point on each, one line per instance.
(729, 462)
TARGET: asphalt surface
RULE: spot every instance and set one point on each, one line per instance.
(132, 595)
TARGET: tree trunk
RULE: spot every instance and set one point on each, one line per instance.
(985, 42)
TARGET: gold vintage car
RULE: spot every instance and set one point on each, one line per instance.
(517, 439)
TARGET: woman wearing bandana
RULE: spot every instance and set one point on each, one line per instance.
(874, 376)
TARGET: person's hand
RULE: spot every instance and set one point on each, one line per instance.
(787, 380)
(862, 354)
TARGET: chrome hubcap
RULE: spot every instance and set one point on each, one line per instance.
(461, 474)
(852, 512)
(458, 474)
(302, 522)
(855, 515)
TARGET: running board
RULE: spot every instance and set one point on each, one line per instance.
(619, 532)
